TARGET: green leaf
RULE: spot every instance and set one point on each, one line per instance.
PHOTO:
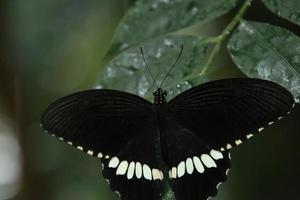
(152, 18)
(127, 71)
(269, 52)
(289, 10)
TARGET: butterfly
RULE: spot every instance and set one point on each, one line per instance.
(182, 144)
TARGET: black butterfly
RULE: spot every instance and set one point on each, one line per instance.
(183, 144)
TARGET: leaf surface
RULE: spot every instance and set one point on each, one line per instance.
(285, 9)
(127, 71)
(150, 19)
(269, 52)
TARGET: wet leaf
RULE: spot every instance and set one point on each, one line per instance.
(149, 19)
(127, 71)
(269, 52)
(285, 9)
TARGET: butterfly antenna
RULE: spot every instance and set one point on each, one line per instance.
(172, 66)
(148, 67)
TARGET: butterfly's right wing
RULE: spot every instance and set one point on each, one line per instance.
(135, 172)
(118, 127)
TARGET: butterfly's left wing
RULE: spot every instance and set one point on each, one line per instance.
(206, 121)
(196, 170)
(118, 127)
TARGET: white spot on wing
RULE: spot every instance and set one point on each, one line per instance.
(107, 157)
(228, 146)
(60, 138)
(100, 155)
(219, 184)
(189, 166)
(227, 171)
(279, 118)
(138, 170)
(198, 165)
(238, 142)
(156, 174)
(118, 193)
(174, 172)
(80, 148)
(122, 168)
(222, 149)
(216, 154)
(70, 143)
(249, 136)
(147, 172)
(181, 169)
(90, 152)
(270, 123)
(161, 175)
(113, 163)
(130, 171)
(260, 129)
(208, 161)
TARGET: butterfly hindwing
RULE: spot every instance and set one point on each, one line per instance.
(195, 169)
(99, 122)
(135, 172)
(227, 112)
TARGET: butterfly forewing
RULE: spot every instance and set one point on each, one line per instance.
(225, 113)
(99, 122)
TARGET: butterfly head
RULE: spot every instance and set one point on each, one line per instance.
(160, 96)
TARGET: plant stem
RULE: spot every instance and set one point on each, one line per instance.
(219, 39)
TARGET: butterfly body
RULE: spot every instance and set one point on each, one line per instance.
(182, 144)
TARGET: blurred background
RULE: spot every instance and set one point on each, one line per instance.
(51, 48)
